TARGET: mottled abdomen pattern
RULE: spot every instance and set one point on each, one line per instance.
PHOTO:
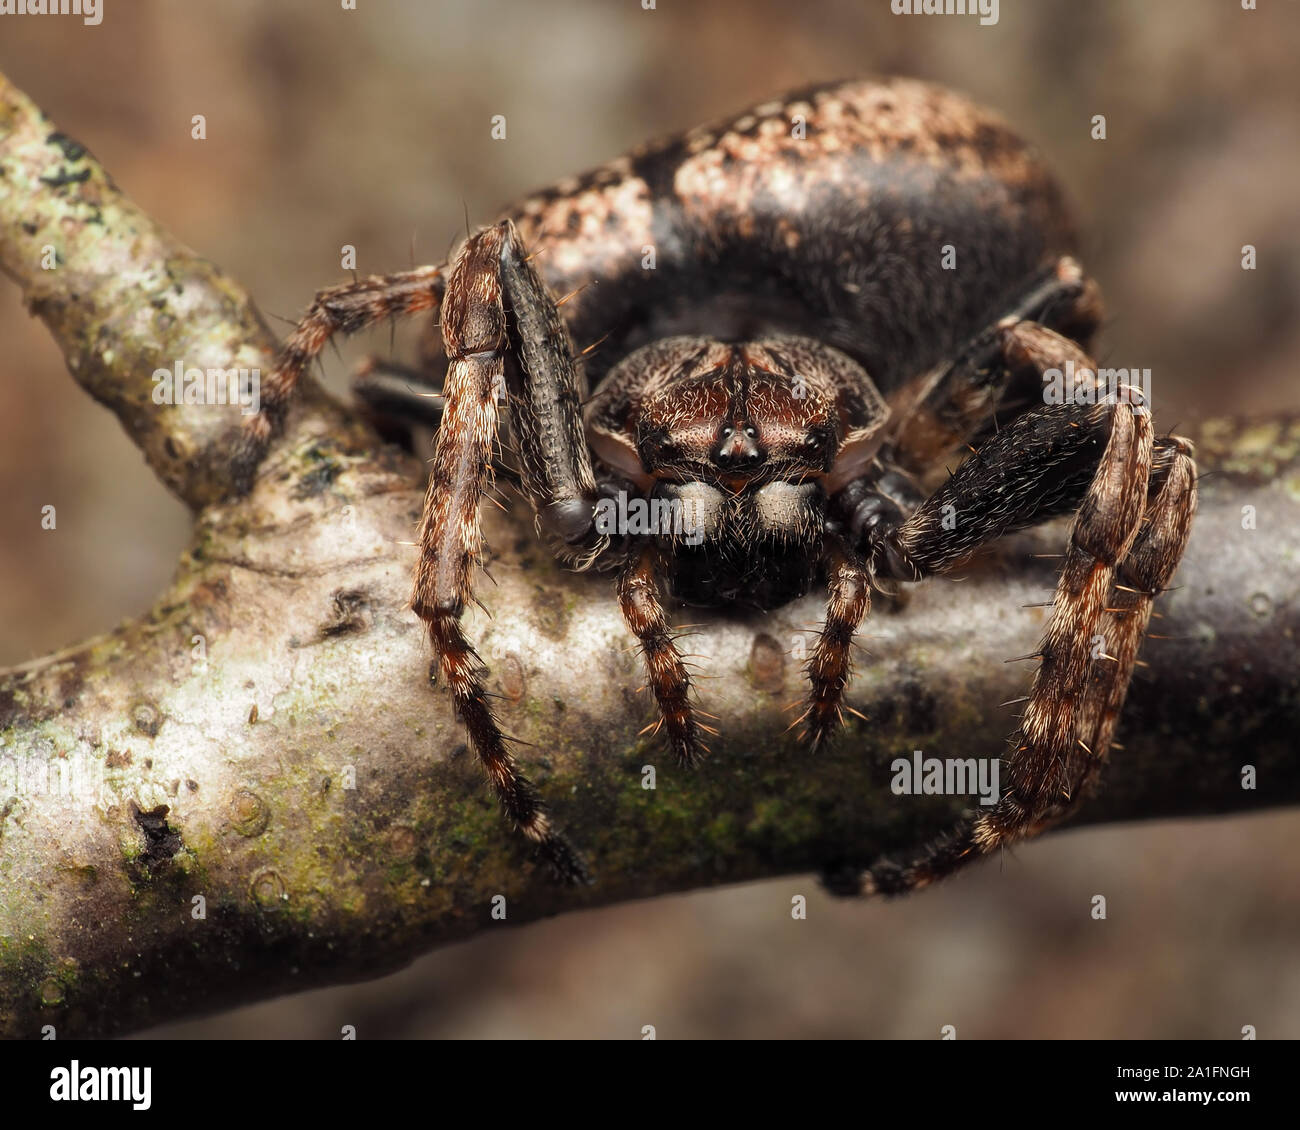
(826, 213)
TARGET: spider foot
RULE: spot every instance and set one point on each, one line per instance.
(842, 879)
(248, 450)
(818, 725)
(690, 754)
(563, 861)
(829, 668)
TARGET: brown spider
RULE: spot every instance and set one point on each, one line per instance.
(759, 284)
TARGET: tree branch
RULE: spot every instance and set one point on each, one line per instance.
(264, 747)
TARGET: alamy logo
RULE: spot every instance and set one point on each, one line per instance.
(987, 10)
(74, 776)
(90, 11)
(1082, 385)
(102, 1084)
(179, 385)
(671, 516)
(949, 776)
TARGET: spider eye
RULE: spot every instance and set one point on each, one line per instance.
(751, 431)
(655, 448)
(727, 431)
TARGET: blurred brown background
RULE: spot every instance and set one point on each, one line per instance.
(371, 127)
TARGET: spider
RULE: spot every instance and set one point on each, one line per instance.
(802, 314)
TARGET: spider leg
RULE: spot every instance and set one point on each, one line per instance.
(1098, 458)
(1036, 776)
(1039, 776)
(1038, 466)
(639, 598)
(547, 389)
(830, 665)
(1018, 351)
(953, 405)
(475, 338)
(341, 309)
(1142, 576)
(389, 396)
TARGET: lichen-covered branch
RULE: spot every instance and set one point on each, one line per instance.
(253, 789)
(123, 299)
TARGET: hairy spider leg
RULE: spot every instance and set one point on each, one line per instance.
(829, 668)
(344, 309)
(547, 389)
(1032, 469)
(643, 610)
(952, 406)
(491, 290)
(1142, 576)
(947, 409)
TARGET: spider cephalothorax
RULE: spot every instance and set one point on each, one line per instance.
(801, 315)
(746, 442)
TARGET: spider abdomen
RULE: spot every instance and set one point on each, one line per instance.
(889, 218)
